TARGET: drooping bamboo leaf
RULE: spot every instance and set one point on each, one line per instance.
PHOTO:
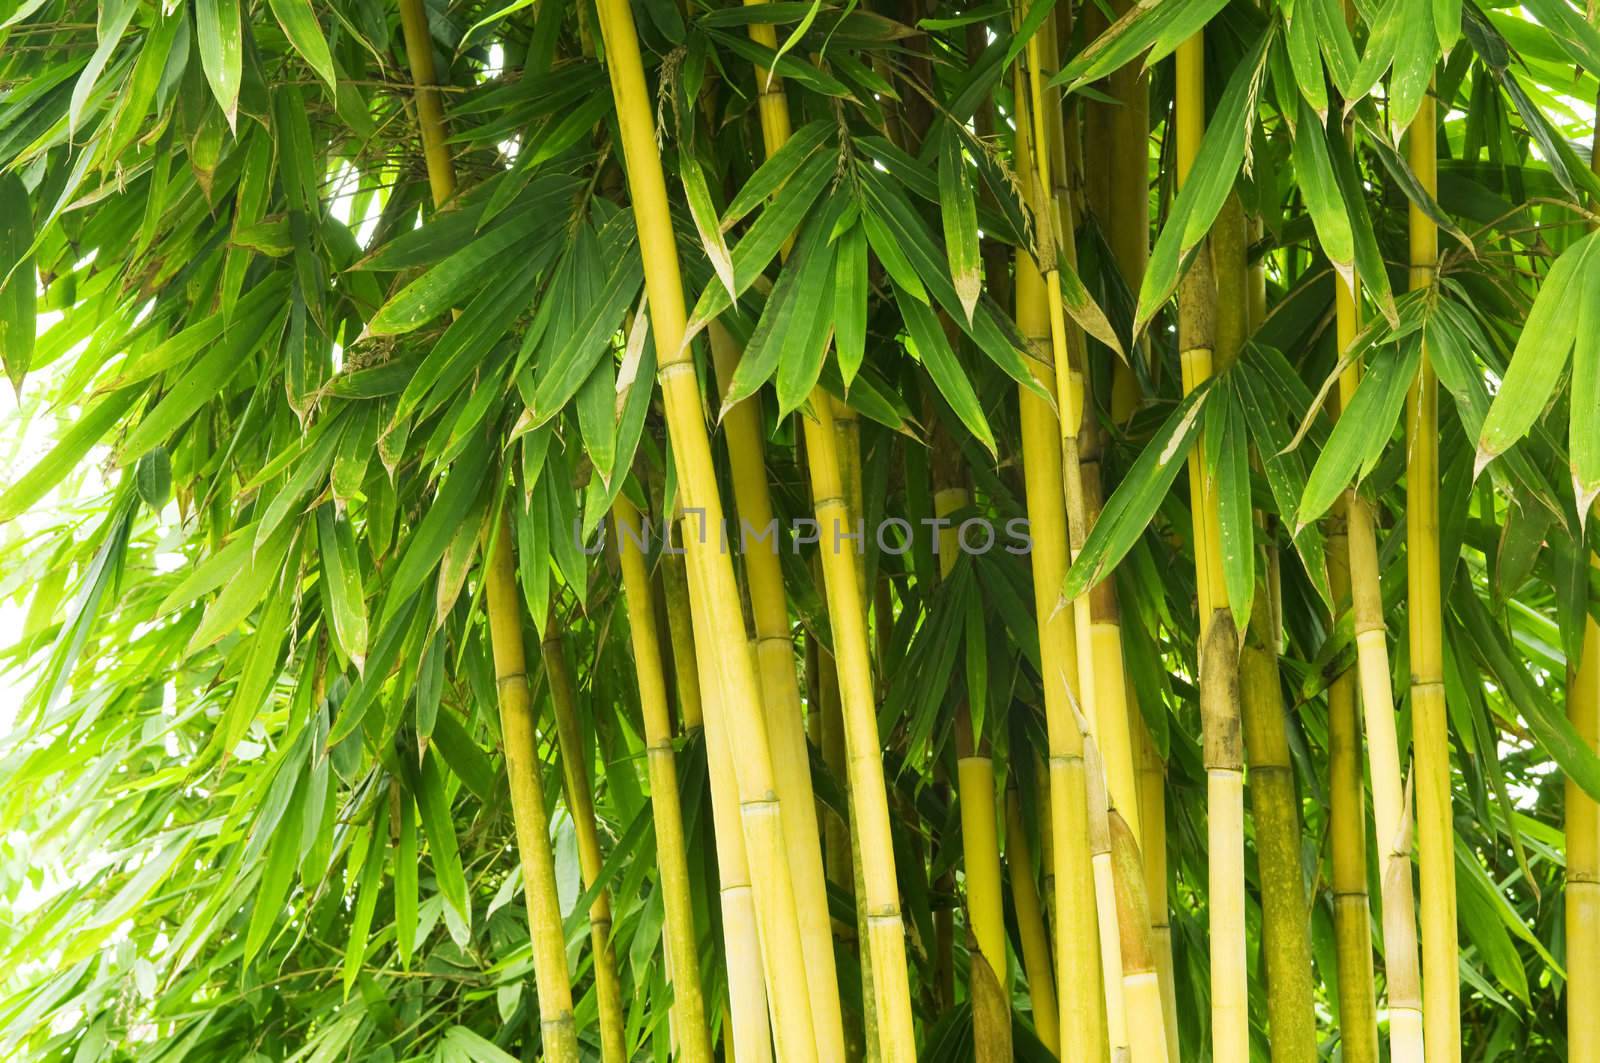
(221, 39)
(1129, 509)
(959, 211)
(299, 22)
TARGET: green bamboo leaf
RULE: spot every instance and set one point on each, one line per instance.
(1369, 257)
(258, 572)
(1583, 448)
(932, 348)
(444, 285)
(1540, 355)
(704, 213)
(1158, 27)
(221, 38)
(277, 874)
(1134, 502)
(1230, 462)
(440, 829)
(958, 209)
(475, 1048)
(1315, 175)
(310, 470)
(1416, 48)
(810, 327)
(369, 878)
(405, 881)
(1338, 47)
(1215, 167)
(342, 583)
(1305, 59)
(1362, 431)
(299, 22)
(850, 301)
(426, 546)
(113, 23)
(18, 280)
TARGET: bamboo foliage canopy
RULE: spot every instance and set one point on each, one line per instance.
(378, 684)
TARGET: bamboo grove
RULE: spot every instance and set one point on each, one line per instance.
(799, 531)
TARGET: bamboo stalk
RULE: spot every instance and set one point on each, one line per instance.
(1082, 1023)
(1390, 799)
(988, 984)
(846, 598)
(680, 633)
(1582, 888)
(580, 803)
(1197, 341)
(1285, 915)
(780, 694)
(1031, 927)
(682, 946)
(1441, 1011)
(711, 569)
(1347, 815)
(1110, 834)
(552, 981)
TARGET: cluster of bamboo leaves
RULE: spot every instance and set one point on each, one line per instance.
(267, 396)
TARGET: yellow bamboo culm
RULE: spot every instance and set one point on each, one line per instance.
(846, 598)
(989, 986)
(1347, 817)
(1197, 305)
(580, 803)
(1068, 867)
(711, 570)
(1031, 927)
(780, 694)
(689, 1028)
(1441, 1007)
(552, 981)
(751, 1034)
(1582, 890)
(1581, 896)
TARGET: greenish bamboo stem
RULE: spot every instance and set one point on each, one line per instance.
(1083, 1033)
(580, 802)
(1441, 1010)
(690, 1032)
(553, 984)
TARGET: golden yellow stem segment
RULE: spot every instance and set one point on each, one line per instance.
(553, 983)
(711, 570)
(1441, 1011)
(580, 802)
(781, 696)
(682, 946)
(1583, 864)
(551, 979)
(847, 615)
(1083, 1034)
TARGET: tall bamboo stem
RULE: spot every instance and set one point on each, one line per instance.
(553, 984)
(846, 597)
(1083, 1034)
(682, 946)
(780, 693)
(1352, 918)
(711, 569)
(580, 802)
(1441, 1012)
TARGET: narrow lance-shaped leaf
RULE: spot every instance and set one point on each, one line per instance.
(1540, 355)
(1134, 502)
(220, 35)
(959, 211)
(299, 24)
(18, 294)
(1583, 419)
(1215, 166)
